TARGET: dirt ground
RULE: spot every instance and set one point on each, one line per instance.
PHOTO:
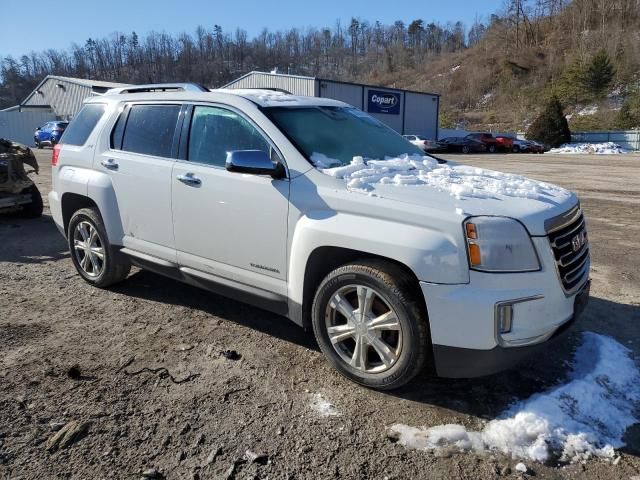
(72, 353)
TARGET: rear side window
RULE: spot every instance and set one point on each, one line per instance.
(149, 129)
(83, 124)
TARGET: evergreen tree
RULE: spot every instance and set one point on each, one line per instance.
(599, 73)
(551, 126)
(627, 118)
(571, 87)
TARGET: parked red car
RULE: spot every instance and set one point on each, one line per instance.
(489, 140)
(504, 144)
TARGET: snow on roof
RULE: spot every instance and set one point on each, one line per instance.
(276, 98)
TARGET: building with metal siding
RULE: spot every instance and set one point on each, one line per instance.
(407, 112)
(55, 98)
(64, 95)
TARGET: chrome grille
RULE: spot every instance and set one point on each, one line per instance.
(570, 246)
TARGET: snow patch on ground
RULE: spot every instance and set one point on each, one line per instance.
(485, 98)
(585, 417)
(322, 406)
(607, 148)
(459, 181)
(589, 110)
(455, 69)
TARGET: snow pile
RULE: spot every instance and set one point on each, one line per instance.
(454, 69)
(457, 180)
(322, 406)
(583, 418)
(590, 110)
(607, 148)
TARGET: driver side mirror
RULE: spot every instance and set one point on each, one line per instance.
(38, 129)
(255, 162)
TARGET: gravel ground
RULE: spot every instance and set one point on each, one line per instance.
(135, 378)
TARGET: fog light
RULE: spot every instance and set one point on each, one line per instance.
(504, 315)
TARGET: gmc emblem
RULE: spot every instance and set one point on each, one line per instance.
(579, 240)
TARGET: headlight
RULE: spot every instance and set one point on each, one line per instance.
(499, 244)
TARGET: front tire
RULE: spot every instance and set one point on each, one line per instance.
(95, 259)
(370, 326)
(465, 149)
(492, 149)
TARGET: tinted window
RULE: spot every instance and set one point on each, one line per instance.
(83, 124)
(150, 129)
(118, 130)
(216, 131)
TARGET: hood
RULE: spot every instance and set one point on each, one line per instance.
(463, 190)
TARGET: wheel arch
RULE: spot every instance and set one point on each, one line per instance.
(325, 259)
(71, 203)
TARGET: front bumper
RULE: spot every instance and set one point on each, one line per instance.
(456, 362)
(465, 327)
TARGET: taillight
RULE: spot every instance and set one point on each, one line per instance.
(55, 154)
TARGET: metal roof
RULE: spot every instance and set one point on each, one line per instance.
(83, 82)
(302, 77)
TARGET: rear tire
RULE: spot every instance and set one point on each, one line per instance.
(387, 345)
(515, 149)
(492, 149)
(465, 149)
(33, 209)
(95, 259)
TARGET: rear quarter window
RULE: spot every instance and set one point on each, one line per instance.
(78, 131)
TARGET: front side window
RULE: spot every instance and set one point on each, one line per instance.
(339, 133)
(83, 124)
(149, 129)
(216, 131)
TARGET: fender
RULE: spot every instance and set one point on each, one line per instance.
(431, 254)
(101, 191)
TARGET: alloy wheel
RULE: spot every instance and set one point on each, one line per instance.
(363, 329)
(88, 249)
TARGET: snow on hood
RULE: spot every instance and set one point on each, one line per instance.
(585, 417)
(459, 181)
(606, 148)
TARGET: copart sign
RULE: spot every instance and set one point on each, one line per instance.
(384, 102)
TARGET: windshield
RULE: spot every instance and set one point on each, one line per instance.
(337, 134)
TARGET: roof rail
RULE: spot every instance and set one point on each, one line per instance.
(158, 87)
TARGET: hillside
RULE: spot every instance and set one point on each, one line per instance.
(500, 82)
(492, 75)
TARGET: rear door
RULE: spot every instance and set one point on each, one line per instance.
(143, 147)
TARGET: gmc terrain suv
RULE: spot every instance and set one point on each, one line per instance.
(315, 210)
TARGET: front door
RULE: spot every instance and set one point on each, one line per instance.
(226, 224)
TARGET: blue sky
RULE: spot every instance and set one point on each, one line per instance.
(42, 24)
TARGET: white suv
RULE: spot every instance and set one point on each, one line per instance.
(313, 209)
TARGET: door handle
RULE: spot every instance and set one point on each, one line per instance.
(189, 179)
(109, 163)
